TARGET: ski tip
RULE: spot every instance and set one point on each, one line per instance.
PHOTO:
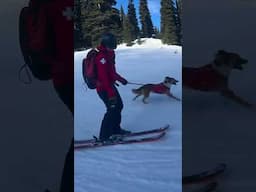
(205, 175)
(167, 126)
(222, 166)
(162, 134)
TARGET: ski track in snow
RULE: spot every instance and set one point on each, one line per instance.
(147, 167)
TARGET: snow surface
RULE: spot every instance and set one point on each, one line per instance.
(147, 167)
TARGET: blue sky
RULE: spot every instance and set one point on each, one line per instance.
(153, 5)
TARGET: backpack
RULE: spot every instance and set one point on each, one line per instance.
(34, 59)
(89, 69)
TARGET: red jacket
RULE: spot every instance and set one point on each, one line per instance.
(160, 88)
(56, 16)
(203, 78)
(106, 71)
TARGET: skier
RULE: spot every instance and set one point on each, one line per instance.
(61, 17)
(106, 87)
(55, 19)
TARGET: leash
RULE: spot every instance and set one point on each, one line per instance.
(135, 83)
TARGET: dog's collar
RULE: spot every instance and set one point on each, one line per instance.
(222, 70)
(168, 85)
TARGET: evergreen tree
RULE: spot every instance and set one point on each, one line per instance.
(122, 14)
(78, 32)
(145, 18)
(98, 17)
(128, 36)
(168, 22)
(156, 33)
(122, 20)
(179, 22)
(132, 20)
(179, 7)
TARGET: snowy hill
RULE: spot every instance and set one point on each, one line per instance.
(147, 167)
(148, 43)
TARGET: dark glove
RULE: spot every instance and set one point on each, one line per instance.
(112, 102)
(124, 81)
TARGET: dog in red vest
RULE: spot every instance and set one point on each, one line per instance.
(214, 77)
(161, 88)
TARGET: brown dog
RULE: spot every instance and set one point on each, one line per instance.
(161, 88)
(214, 77)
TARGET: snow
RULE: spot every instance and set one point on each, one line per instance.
(148, 43)
(218, 130)
(147, 167)
(225, 129)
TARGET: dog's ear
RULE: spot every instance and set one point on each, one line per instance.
(221, 52)
(218, 60)
(219, 57)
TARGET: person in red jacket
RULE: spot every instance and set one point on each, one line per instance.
(106, 89)
(60, 16)
(56, 17)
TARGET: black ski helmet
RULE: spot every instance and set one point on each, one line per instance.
(109, 40)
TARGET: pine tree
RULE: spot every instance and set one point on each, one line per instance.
(132, 20)
(179, 7)
(122, 14)
(147, 29)
(156, 33)
(168, 22)
(179, 22)
(100, 17)
(122, 20)
(78, 32)
(128, 36)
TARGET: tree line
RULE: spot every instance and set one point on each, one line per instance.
(94, 17)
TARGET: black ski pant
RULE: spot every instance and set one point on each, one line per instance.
(112, 119)
(66, 94)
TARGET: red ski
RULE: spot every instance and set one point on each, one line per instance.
(205, 175)
(121, 141)
(158, 130)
